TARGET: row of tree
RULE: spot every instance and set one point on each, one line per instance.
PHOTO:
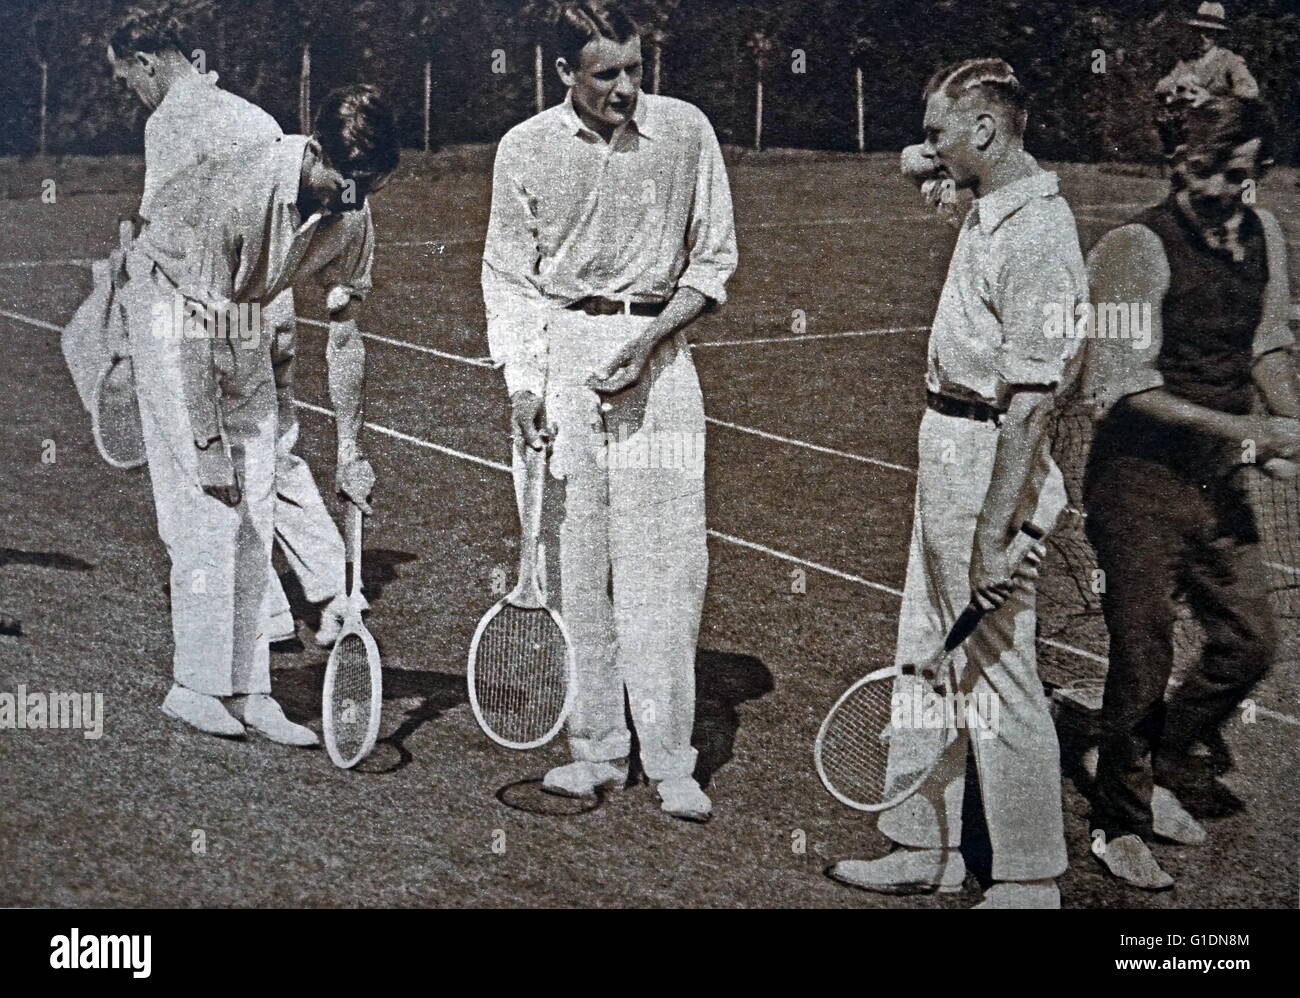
(836, 74)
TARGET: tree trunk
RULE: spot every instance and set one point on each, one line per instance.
(758, 116)
(428, 95)
(658, 65)
(304, 92)
(539, 86)
(45, 95)
(862, 116)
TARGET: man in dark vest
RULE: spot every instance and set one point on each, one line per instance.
(1167, 508)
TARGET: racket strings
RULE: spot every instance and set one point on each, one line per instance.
(350, 703)
(1069, 599)
(855, 745)
(521, 674)
(882, 740)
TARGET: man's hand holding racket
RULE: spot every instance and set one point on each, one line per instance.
(528, 418)
(996, 570)
(354, 481)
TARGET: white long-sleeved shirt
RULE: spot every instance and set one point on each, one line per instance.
(229, 231)
(197, 121)
(574, 217)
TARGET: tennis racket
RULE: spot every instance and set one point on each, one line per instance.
(353, 698)
(521, 665)
(852, 749)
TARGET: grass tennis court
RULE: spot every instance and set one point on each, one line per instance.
(811, 450)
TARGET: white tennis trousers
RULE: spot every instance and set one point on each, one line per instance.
(625, 558)
(220, 557)
(305, 532)
(1018, 760)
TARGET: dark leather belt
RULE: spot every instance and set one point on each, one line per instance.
(613, 306)
(981, 412)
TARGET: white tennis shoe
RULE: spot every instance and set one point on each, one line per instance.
(261, 713)
(1130, 859)
(904, 871)
(582, 779)
(682, 798)
(1015, 894)
(202, 712)
(1170, 820)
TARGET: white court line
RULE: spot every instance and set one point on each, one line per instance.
(407, 438)
(1276, 716)
(38, 323)
(485, 362)
(809, 336)
(727, 538)
(32, 264)
(813, 447)
(472, 361)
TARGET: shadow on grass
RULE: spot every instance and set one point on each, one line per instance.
(723, 681)
(44, 559)
(299, 692)
(379, 568)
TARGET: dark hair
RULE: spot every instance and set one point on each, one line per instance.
(993, 80)
(357, 132)
(580, 23)
(1205, 135)
(151, 31)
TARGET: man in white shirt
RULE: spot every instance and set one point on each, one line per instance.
(611, 230)
(194, 120)
(223, 239)
(993, 371)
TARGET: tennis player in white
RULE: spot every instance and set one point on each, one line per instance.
(237, 231)
(611, 230)
(992, 372)
(193, 120)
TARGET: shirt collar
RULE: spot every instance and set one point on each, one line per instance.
(573, 124)
(188, 82)
(996, 208)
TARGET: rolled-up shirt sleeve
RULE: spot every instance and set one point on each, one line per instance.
(350, 272)
(1042, 272)
(515, 307)
(1274, 332)
(711, 235)
(1126, 268)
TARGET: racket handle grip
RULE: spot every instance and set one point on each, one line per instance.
(963, 628)
(971, 616)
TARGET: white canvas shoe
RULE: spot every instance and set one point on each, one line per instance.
(1015, 894)
(904, 871)
(682, 798)
(201, 712)
(264, 715)
(582, 779)
(1170, 820)
(1130, 859)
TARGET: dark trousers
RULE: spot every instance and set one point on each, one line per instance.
(1159, 535)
